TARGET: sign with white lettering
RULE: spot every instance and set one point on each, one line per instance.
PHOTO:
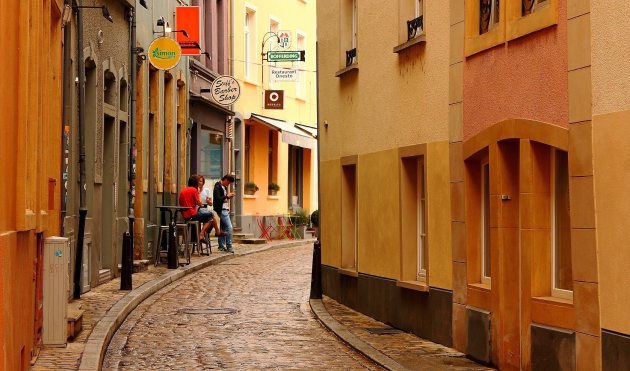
(225, 90)
(285, 39)
(274, 99)
(283, 74)
(286, 56)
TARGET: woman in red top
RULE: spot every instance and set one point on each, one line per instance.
(189, 197)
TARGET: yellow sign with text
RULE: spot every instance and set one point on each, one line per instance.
(164, 53)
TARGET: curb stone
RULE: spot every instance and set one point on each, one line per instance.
(103, 332)
(318, 308)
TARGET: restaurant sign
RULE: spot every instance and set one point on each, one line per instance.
(225, 90)
(164, 53)
(283, 74)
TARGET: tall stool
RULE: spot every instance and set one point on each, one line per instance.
(162, 235)
(183, 247)
(194, 230)
(208, 243)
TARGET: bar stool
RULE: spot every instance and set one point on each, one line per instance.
(183, 247)
(162, 235)
(208, 247)
(194, 231)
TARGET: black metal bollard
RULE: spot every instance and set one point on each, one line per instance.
(316, 275)
(126, 263)
(172, 246)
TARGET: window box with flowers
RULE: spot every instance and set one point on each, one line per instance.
(250, 188)
(273, 189)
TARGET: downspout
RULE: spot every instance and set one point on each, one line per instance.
(82, 183)
(66, 114)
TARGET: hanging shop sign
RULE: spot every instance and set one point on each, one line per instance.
(164, 53)
(274, 99)
(225, 90)
(283, 74)
(188, 19)
(286, 56)
(285, 39)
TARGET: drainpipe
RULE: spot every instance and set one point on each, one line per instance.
(128, 244)
(66, 114)
(82, 183)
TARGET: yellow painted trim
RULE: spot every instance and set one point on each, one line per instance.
(518, 25)
(476, 42)
(542, 132)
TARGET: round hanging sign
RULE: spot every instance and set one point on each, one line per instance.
(164, 53)
(225, 90)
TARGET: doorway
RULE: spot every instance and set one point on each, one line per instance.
(296, 177)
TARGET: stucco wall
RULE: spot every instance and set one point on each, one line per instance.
(527, 78)
(394, 99)
(610, 56)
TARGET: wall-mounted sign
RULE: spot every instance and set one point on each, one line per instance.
(225, 90)
(274, 99)
(285, 39)
(188, 19)
(164, 53)
(283, 74)
(285, 56)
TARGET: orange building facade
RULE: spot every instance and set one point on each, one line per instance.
(30, 152)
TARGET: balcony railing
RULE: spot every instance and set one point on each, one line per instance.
(351, 56)
(413, 26)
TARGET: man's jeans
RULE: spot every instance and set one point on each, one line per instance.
(226, 226)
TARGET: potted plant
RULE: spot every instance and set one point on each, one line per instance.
(250, 188)
(273, 189)
(300, 220)
(315, 222)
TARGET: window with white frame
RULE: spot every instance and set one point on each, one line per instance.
(299, 83)
(486, 271)
(489, 15)
(531, 6)
(249, 42)
(421, 219)
(274, 26)
(562, 279)
(419, 10)
(354, 23)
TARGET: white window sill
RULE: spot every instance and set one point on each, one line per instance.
(351, 272)
(250, 197)
(273, 197)
(413, 285)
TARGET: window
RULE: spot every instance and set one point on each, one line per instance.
(349, 31)
(413, 215)
(211, 155)
(248, 134)
(486, 267)
(273, 157)
(273, 44)
(562, 280)
(530, 6)
(354, 24)
(249, 42)
(299, 84)
(349, 215)
(489, 11)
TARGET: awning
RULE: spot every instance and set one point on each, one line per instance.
(210, 103)
(292, 133)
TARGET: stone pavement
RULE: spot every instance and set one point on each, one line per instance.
(395, 351)
(246, 313)
(97, 302)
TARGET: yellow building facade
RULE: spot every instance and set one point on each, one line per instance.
(385, 178)
(274, 145)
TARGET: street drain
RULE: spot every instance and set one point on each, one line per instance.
(207, 311)
(383, 331)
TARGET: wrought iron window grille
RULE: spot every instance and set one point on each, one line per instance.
(351, 56)
(413, 26)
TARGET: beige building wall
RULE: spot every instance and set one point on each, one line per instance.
(611, 156)
(390, 101)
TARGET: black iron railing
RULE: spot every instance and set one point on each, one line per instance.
(413, 26)
(351, 56)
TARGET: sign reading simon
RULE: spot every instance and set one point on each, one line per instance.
(164, 53)
(225, 90)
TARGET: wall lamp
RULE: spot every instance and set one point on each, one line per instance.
(67, 12)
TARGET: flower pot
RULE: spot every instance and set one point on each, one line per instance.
(272, 192)
(250, 191)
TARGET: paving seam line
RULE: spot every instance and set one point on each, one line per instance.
(343, 333)
(103, 332)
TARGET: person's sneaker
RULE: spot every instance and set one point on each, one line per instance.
(222, 248)
(230, 250)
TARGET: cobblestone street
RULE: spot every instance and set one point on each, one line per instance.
(248, 313)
